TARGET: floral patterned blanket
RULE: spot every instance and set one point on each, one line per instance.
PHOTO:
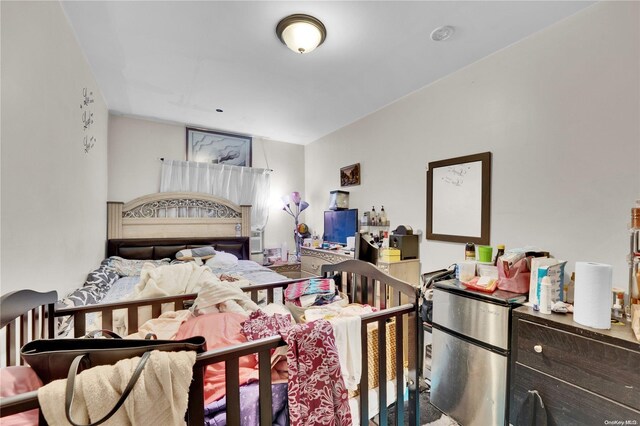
(317, 394)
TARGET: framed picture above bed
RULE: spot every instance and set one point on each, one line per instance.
(209, 146)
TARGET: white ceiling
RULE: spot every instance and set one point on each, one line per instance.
(181, 60)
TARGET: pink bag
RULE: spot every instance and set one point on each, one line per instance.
(515, 278)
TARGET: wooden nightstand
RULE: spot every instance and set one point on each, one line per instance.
(289, 270)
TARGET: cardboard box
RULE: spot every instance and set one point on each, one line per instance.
(390, 255)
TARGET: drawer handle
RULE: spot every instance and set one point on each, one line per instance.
(538, 348)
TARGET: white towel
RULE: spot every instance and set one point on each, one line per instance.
(159, 397)
(346, 330)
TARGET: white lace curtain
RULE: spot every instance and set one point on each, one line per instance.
(240, 185)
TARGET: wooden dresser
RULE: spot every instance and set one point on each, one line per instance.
(289, 270)
(584, 376)
(312, 260)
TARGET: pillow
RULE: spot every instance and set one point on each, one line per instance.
(132, 267)
(16, 380)
(206, 252)
(103, 277)
(222, 260)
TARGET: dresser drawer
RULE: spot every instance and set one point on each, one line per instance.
(311, 264)
(566, 404)
(610, 371)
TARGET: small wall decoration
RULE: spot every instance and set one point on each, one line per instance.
(350, 175)
(88, 143)
(208, 146)
(87, 99)
(459, 199)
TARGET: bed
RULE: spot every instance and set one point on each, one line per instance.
(135, 233)
(156, 226)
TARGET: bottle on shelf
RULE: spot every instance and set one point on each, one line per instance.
(383, 217)
(373, 216)
(545, 296)
(570, 286)
(499, 253)
(470, 251)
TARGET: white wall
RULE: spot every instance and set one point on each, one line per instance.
(53, 193)
(136, 145)
(560, 113)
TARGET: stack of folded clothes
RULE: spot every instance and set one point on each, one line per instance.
(312, 292)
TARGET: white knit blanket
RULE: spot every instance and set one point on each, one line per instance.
(166, 280)
(159, 397)
(171, 280)
(224, 296)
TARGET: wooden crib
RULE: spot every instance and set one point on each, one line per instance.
(363, 282)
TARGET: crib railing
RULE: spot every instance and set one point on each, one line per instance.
(397, 301)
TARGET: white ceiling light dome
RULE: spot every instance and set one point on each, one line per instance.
(442, 33)
(301, 33)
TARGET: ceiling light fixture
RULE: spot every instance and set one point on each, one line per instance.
(301, 33)
(442, 33)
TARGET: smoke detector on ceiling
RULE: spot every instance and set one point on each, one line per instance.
(442, 33)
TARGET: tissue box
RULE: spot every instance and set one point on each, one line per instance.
(390, 255)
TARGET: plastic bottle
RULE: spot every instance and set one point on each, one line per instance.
(373, 216)
(499, 253)
(545, 296)
(620, 302)
(470, 251)
(383, 217)
(570, 289)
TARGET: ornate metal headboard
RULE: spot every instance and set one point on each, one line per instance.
(177, 215)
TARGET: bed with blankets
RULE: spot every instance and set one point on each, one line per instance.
(277, 351)
(161, 268)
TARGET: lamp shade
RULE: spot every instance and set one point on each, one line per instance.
(301, 33)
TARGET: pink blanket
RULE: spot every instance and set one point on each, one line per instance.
(222, 330)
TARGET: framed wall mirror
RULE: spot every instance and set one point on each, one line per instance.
(459, 199)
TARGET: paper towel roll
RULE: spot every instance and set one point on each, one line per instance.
(592, 294)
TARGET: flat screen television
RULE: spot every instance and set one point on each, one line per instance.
(340, 224)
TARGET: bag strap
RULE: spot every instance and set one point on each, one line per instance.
(104, 332)
(71, 380)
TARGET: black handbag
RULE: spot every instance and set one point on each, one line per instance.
(54, 359)
(51, 358)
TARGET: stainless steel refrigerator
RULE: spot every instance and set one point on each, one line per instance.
(471, 353)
